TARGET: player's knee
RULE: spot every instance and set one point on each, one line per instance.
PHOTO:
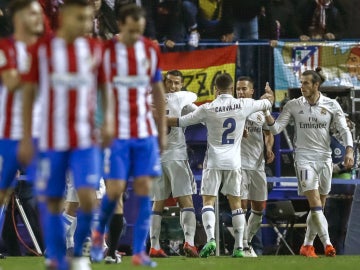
(158, 206)
(185, 202)
(234, 202)
(258, 205)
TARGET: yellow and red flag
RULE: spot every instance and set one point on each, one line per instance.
(200, 68)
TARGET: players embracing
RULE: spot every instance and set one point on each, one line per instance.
(225, 119)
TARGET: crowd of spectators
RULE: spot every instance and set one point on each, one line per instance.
(177, 21)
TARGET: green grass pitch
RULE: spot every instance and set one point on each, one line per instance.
(212, 263)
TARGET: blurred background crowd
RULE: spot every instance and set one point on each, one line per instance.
(171, 22)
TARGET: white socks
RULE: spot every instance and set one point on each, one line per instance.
(208, 219)
(310, 231)
(155, 229)
(254, 224)
(245, 239)
(188, 223)
(238, 222)
(70, 223)
(320, 225)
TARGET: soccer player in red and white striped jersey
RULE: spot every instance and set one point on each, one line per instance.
(28, 25)
(66, 68)
(133, 64)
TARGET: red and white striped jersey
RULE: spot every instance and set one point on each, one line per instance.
(13, 56)
(132, 69)
(67, 75)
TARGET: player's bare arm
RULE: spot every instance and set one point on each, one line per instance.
(269, 94)
(26, 150)
(107, 129)
(172, 121)
(349, 157)
(159, 104)
(11, 79)
(269, 143)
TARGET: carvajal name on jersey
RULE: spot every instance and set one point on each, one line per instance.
(232, 107)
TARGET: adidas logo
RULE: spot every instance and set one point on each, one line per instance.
(301, 112)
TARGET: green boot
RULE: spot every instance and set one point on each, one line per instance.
(208, 249)
(238, 253)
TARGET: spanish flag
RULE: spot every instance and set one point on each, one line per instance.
(200, 68)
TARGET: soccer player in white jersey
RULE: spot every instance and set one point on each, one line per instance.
(132, 62)
(28, 26)
(66, 71)
(177, 178)
(313, 114)
(225, 119)
(254, 185)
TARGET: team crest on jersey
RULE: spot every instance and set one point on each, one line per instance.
(259, 118)
(3, 60)
(323, 111)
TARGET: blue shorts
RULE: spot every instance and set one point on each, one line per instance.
(83, 165)
(132, 158)
(9, 164)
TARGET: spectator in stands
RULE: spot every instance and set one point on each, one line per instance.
(281, 23)
(176, 22)
(148, 5)
(105, 25)
(245, 26)
(215, 19)
(4, 19)
(319, 19)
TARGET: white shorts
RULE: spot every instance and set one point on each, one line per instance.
(177, 178)
(71, 193)
(212, 178)
(313, 175)
(253, 185)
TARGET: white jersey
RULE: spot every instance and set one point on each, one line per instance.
(176, 103)
(225, 120)
(312, 127)
(252, 147)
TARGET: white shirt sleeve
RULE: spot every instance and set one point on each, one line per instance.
(257, 105)
(339, 122)
(193, 118)
(186, 98)
(282, 121)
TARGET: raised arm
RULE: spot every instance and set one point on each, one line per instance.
(281, 122)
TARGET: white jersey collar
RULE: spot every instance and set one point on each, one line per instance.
(320, 100)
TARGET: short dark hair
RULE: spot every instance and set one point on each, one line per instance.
(317, 75)
(223, 81)
(17, 5)
(175, 72)
(129, 10)
(246, 78)
(82, 3)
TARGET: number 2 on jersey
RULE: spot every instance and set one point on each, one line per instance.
(230, 125)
